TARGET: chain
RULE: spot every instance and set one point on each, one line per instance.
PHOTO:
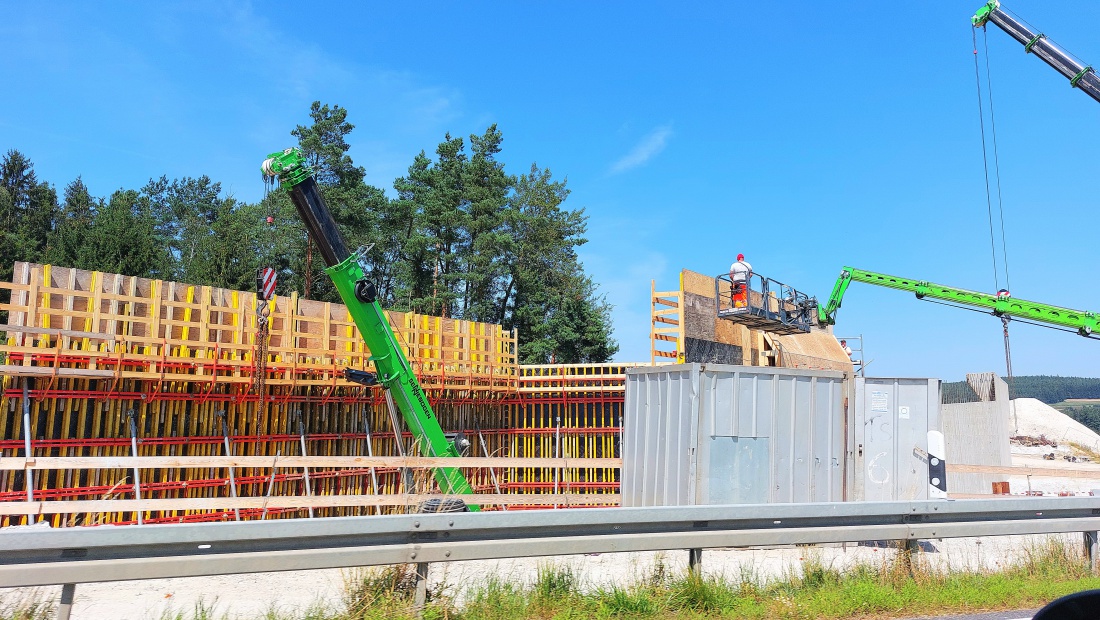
(262, 336)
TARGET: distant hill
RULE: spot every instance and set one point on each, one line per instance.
(1049, 389)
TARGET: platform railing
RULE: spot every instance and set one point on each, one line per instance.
(770, 305)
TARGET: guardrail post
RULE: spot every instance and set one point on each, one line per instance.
(1091, 549)
(695, 561)
(906, 549)
(65, 607)
(420, 599)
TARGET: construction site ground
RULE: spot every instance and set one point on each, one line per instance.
(1072, 442)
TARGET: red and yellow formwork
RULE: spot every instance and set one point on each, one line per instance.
(116, 366)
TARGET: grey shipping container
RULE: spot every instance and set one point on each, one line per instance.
(715, 434)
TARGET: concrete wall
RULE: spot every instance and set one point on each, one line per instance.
(978, 434)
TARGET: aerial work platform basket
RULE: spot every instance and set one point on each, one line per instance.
(764, 304)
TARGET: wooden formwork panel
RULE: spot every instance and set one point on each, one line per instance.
(93, 325)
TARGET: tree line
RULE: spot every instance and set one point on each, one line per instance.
(1049, 389)
(1089, 415)
(461, 238)
(1053, 389)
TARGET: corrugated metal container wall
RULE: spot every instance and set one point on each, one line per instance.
(660, 448)
(718, 434)
(895, 416)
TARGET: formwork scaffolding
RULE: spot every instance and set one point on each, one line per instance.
(106, 365)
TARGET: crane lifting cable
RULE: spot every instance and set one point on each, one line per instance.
(985, 164)
(997, 176)
(996, 160)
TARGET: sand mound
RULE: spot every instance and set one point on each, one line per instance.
(1034, 417)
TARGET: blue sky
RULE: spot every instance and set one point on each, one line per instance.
(807, 135)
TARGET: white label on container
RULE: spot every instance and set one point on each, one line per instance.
(903, 413)
(879, 402)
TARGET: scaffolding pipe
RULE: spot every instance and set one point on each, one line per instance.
(305, 470)
(134, 451)
(229, 452)
(28, 474)
(373, 472)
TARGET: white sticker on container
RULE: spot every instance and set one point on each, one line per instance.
(903, 412)
(879, 402)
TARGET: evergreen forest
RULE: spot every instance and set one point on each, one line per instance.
(1053, 389)
(460, 237)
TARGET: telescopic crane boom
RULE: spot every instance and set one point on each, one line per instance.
(1079, 76)
(360, 297)
(999, 304)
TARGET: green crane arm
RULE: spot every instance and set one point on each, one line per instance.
(359, 295)
(1000, 304)
(1080, 76)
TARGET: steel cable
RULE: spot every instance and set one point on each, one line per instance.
(985, 160)
(996, 158)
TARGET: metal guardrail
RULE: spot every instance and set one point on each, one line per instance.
(31, 556)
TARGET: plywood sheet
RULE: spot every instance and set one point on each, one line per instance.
(817, 349)
(698, 283)
(728, 332)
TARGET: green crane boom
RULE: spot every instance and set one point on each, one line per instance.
(360, 297)
(999, 304)
(1080, 76)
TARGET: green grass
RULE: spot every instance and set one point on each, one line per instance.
(201, 610)
(26, 606)
(897, 585)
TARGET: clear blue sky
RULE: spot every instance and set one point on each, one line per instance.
(808, 135)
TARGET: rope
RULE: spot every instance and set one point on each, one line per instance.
(996, 158)
(985, 159)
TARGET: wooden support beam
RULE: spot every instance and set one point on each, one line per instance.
(316, 501)
(1038, 472)
(420, 462)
